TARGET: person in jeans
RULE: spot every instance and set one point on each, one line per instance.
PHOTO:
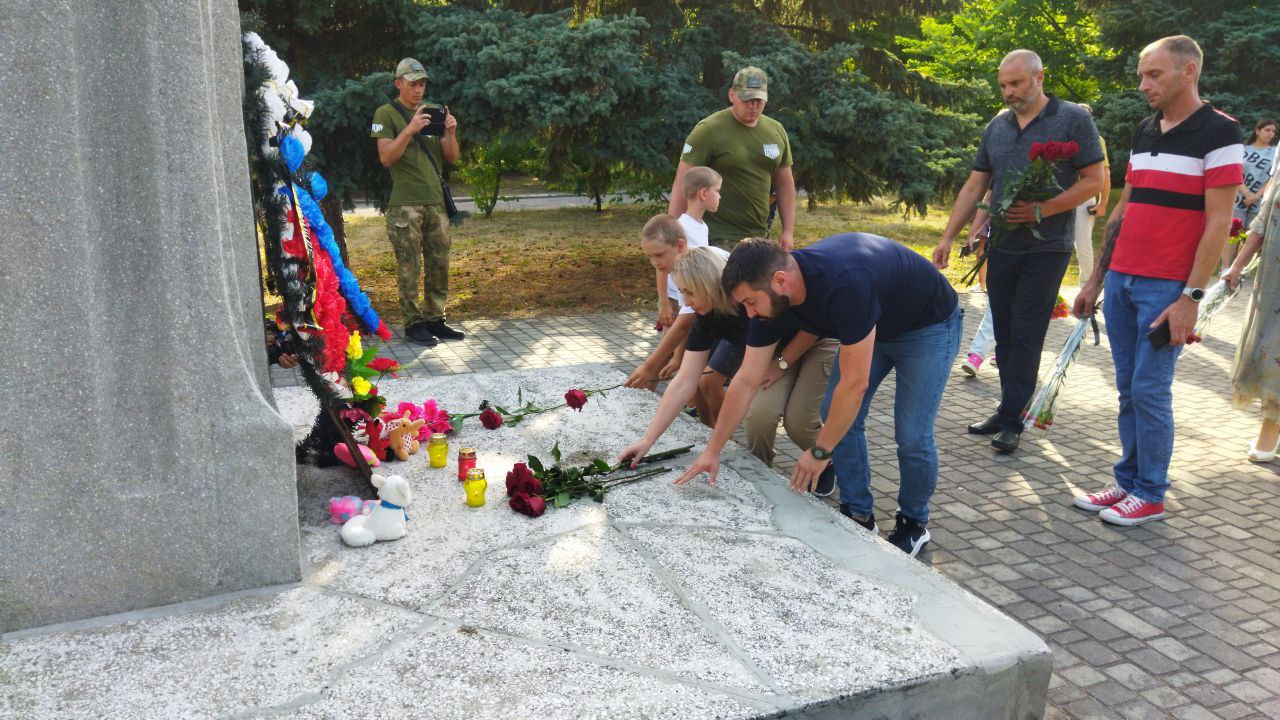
(1089, 211)
(890, 310)
(416, 222)
(1163, 241)
(1025, 269)
(793, 387)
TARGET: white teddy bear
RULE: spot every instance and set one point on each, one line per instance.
(388, 519)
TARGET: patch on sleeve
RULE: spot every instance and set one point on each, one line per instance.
(772, 151)
(687, 149)
(377, 127)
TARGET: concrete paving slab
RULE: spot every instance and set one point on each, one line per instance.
(204, 659)
(739, 600)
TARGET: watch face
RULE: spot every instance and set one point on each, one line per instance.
(819, 453)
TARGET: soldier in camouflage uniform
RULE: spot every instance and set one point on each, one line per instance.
(416, 222)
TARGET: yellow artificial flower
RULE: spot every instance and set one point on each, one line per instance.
(360, 386)
(354, 350)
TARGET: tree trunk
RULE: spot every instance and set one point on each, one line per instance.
(332, 210)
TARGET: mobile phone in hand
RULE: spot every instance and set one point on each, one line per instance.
(1160, 336)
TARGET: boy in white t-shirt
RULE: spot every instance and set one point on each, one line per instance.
(701, 188)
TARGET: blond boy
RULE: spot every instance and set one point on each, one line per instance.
(701, 189)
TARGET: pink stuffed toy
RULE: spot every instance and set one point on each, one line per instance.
(343, 453)
(342, 509)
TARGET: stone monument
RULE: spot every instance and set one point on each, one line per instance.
(143, 460)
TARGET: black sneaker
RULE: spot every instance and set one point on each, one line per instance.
(826, 482)
(420, 334)
(908, 535)
(869, 523)
(444, 332)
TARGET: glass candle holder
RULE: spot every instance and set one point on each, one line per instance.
(474, 486)
(466, 461)
(438, 450)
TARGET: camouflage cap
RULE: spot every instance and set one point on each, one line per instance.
(751, 84)
(411, 70)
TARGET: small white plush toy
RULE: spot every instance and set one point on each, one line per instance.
(388, 519)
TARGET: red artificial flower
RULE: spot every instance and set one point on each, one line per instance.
(1060, 310)
(530, 505)
(1237, 226)
(383, 365)
(491, 419)
(658, 326)
(575, 399)
(521, 480)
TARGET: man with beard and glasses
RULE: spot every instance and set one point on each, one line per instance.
(891, 310)
(1025, 266)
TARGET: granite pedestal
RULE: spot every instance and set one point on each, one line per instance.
(142, 462)
(733, 601)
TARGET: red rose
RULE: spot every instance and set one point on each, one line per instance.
(383, 365)
(522, 481)
(491, 419)
(1237, 226)
(1037, 149)
(530, 505)
(576, 399)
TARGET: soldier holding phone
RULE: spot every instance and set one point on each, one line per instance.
(415, 140)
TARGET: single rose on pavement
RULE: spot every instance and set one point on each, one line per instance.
(575, 399)
(490, 419)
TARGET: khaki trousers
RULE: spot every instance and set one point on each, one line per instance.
(796, 399)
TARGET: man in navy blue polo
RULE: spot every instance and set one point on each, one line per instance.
(1025, 268)
(890, 310)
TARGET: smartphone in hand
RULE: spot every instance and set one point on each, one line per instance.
(1160, 336)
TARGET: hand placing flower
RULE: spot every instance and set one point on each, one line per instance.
(491, 419)
(575, 399)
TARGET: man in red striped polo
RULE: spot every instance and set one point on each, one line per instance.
(1163, 240)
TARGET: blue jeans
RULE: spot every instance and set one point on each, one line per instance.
(922, 359)
(1144, 379)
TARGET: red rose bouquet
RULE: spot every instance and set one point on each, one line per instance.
(1034, 182)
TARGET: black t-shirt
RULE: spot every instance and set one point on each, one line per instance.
(709, 328)
(857, 281)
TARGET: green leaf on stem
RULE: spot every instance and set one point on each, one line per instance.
(555, 451)
(563, 499)
(535, 464)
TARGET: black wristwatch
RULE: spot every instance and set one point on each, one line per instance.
(820, 454)
(1196, 294)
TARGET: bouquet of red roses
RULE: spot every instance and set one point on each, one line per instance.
(1034, 182)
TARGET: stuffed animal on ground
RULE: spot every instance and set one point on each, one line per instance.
(387, 521)
(343, 453)
(342, 509)
(402, 436)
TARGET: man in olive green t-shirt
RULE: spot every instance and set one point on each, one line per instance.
(752, 153)
(416, 222)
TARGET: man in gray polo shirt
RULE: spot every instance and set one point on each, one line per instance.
(1024, 272)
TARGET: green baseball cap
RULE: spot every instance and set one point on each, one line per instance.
(751, 84)
(411, 70)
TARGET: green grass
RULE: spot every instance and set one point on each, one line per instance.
(528, 263)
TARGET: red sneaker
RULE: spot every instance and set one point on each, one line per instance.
(1133, 511)
(1101, 500)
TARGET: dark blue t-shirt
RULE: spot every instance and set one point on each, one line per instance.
(856, 281)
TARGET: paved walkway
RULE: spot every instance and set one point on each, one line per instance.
(1177, 619)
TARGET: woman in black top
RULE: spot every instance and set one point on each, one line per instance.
(792, 391)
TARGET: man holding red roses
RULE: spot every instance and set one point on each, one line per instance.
(1033, 228)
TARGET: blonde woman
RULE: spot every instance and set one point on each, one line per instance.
(1256, 370)
(792, 391)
